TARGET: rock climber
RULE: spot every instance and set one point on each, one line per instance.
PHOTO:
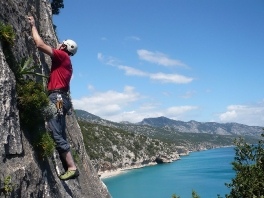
(58, 87)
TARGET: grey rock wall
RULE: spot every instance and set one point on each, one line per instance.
(10, 137)
(32, 176)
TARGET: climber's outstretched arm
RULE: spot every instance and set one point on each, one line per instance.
(38, 40)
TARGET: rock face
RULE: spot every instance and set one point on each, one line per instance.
(31, 176)
(113, 149)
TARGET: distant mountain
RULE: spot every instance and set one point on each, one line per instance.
(203, 127)
(192, 135)
(86, 116)
(163, 125)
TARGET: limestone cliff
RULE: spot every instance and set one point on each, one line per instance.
(31, 176)
(113, 149)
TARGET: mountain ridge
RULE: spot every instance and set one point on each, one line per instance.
(193, 126)
(114, 146)
(175, 126)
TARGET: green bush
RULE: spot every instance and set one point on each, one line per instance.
(56, 5)
(248, 164)
(7, 34)
(194, 195)
(7, 37)
(7, 186)
(24, 68)
(44, 144)
(32, 99)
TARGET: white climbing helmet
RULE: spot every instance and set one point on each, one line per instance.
(71, 46)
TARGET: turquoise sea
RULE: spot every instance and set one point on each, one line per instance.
(206, 172)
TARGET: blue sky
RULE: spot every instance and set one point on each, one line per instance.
(182, 59)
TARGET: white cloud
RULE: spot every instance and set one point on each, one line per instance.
(171, 78)
(178, 110)
(104, 39)
(152, 111)
(251, 114)
(159, 58)
(131, 116)
(188, 94)
(90, 87)
(229, 115)
(133, 38)
(107, 60)
(166, 93)
(107, 103)
(148, 106)
(127, 105)
(100, 57)
(132, 72)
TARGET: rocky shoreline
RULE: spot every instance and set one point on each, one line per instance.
(113, 172)
(106, 173)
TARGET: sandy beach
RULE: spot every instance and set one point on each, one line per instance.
(111, 173)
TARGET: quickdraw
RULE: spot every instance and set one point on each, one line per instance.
(59, 104)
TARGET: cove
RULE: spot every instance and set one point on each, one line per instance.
(206, 172)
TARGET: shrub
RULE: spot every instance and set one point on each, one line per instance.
(194, 195)
(175, 196)
(56, 5)
(7, 186)
(44, 144)
(31, 101)
(248, 164)
(23, 69)
(7, 34)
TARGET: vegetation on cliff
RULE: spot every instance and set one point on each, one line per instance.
(119, 147)
(20, 139)
(31, 95)
(56, 5)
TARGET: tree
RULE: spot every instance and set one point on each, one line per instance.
(249, 167)
(56, 5)
(175, 196)
(194, 195)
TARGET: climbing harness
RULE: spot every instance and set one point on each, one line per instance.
(53, 109)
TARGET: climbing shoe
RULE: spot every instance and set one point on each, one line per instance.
(70, 174)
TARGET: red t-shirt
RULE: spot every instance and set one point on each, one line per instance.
(61, 71)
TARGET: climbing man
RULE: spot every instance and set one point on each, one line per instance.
(58, 87)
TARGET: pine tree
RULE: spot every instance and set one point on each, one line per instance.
(249, 167)
(56, 5)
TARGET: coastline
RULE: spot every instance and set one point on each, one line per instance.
(111, 173)
(118, 171)
(160, 180)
